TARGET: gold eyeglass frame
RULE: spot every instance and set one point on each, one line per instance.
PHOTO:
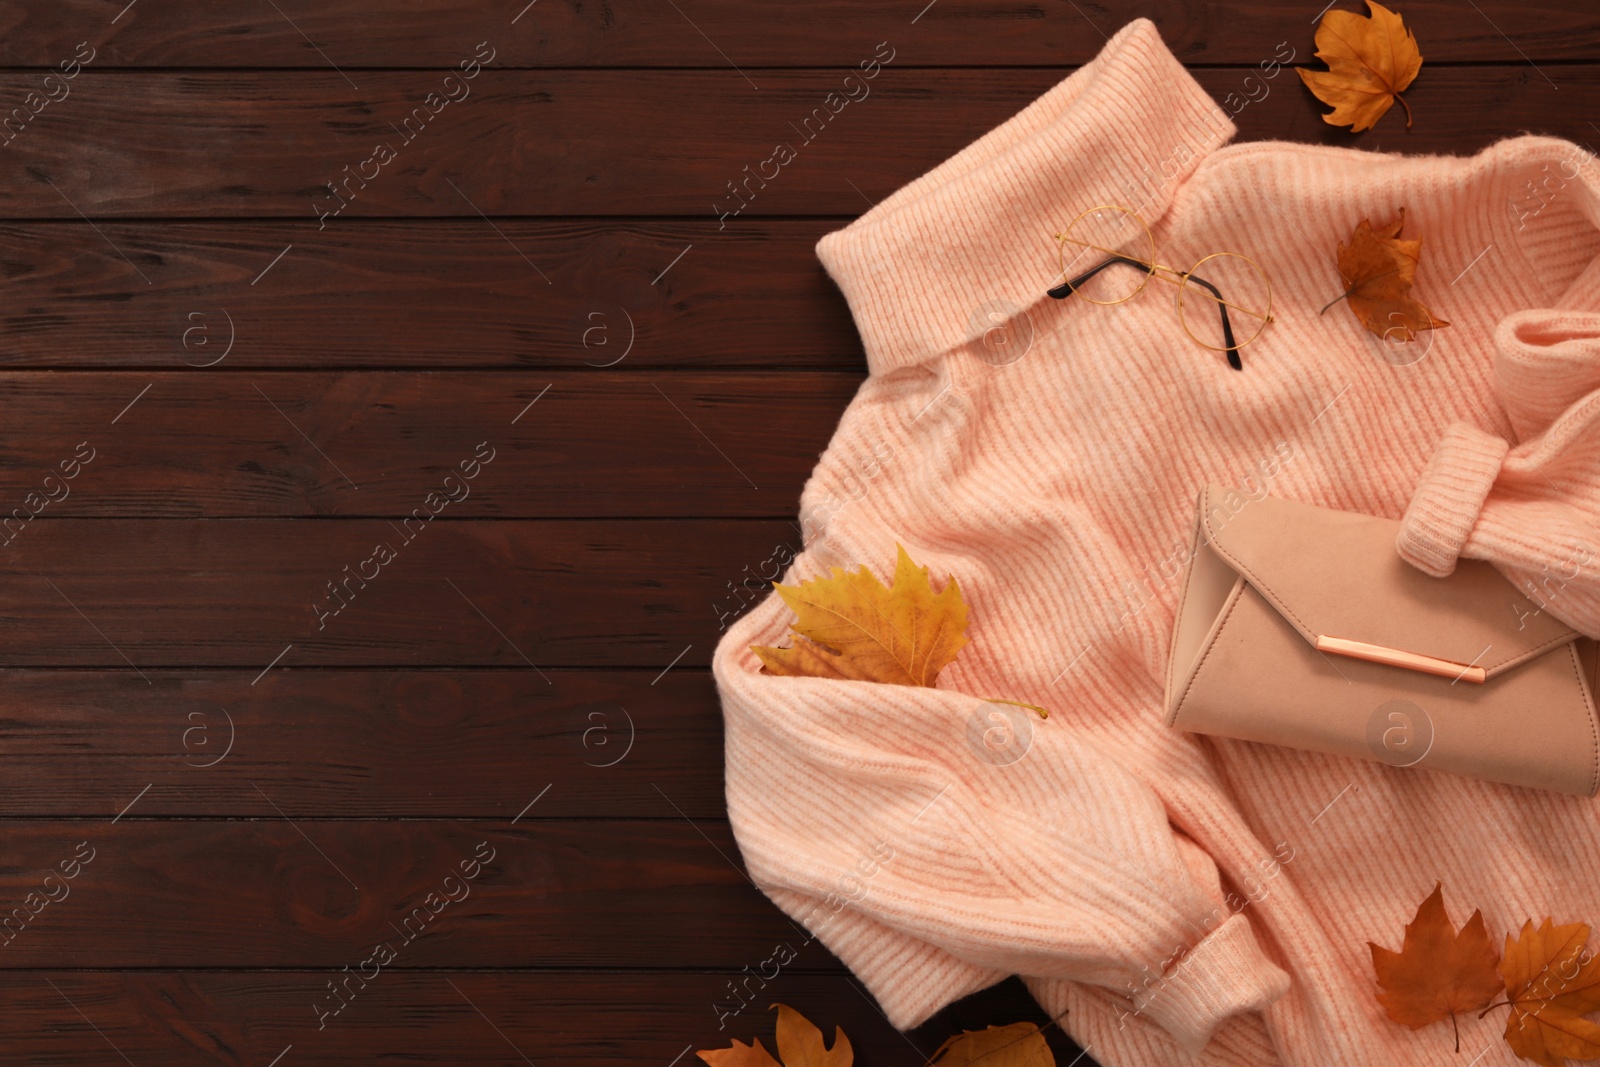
(1170, 275)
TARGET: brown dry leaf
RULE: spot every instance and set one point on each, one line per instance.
(1371, 61)
(1017, 1045)
(739, 1055)
(799, 1043)
(1438, 971)
(1378, 270)
(852, 626)
(1552, 982)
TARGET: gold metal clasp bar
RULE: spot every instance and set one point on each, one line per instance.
(1395, 657)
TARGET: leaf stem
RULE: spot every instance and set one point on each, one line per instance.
(1407, 106)
(1043, 714)
(1352, 290)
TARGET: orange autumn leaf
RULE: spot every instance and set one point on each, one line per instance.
(1371, 61)
(1378, 270)
(799, 1043)
(1017, 1045)
(1552, 982)
(852, 626)
(1438, 972)
(739, 1054)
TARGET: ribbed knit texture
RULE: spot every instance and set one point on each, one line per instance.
(1445, 506)
(1182, 899)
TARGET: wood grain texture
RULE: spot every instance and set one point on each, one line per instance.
(490, 1019)
(142, 593)
(422, 293)
(951, 33)
(593, 443)
(615, 143)
(365, 744)
(272, 892)
(568, 211)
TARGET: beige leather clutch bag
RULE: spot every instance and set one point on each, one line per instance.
(1302, 626)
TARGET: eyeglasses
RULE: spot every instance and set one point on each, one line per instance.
(1108, 228)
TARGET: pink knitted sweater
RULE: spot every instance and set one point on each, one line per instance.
(1182, 899)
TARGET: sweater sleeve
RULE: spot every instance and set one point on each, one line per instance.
(1531, 508)
(863, 812)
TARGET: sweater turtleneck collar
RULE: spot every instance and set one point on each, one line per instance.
(939, 263)
(1127, 128)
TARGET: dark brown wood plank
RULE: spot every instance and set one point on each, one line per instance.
(423, 293)
(321, 893)
(238, 33)
(616, 142)
(447, 743)
(607, 1019)
(141, 593)
(594, 443)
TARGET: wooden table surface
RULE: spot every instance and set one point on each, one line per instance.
(261, 742)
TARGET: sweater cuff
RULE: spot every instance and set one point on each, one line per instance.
(1447, 501)
(1224, 975)
(967, 247)
(910, 979)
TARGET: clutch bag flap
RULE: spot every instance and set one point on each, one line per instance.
(1302, 626)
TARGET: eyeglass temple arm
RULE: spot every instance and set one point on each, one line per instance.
(1234, 360)
(1067, 288)
(1072, 285)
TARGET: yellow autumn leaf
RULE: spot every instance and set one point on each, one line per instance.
(1371, 61)
(852, 626)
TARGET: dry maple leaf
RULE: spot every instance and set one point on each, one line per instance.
(1371, 60)
(799, 1043)
(1438, 971)
(739, 1055)
(852, 626)
(1552, 982)
(1378, 270)
(1017, 1045)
